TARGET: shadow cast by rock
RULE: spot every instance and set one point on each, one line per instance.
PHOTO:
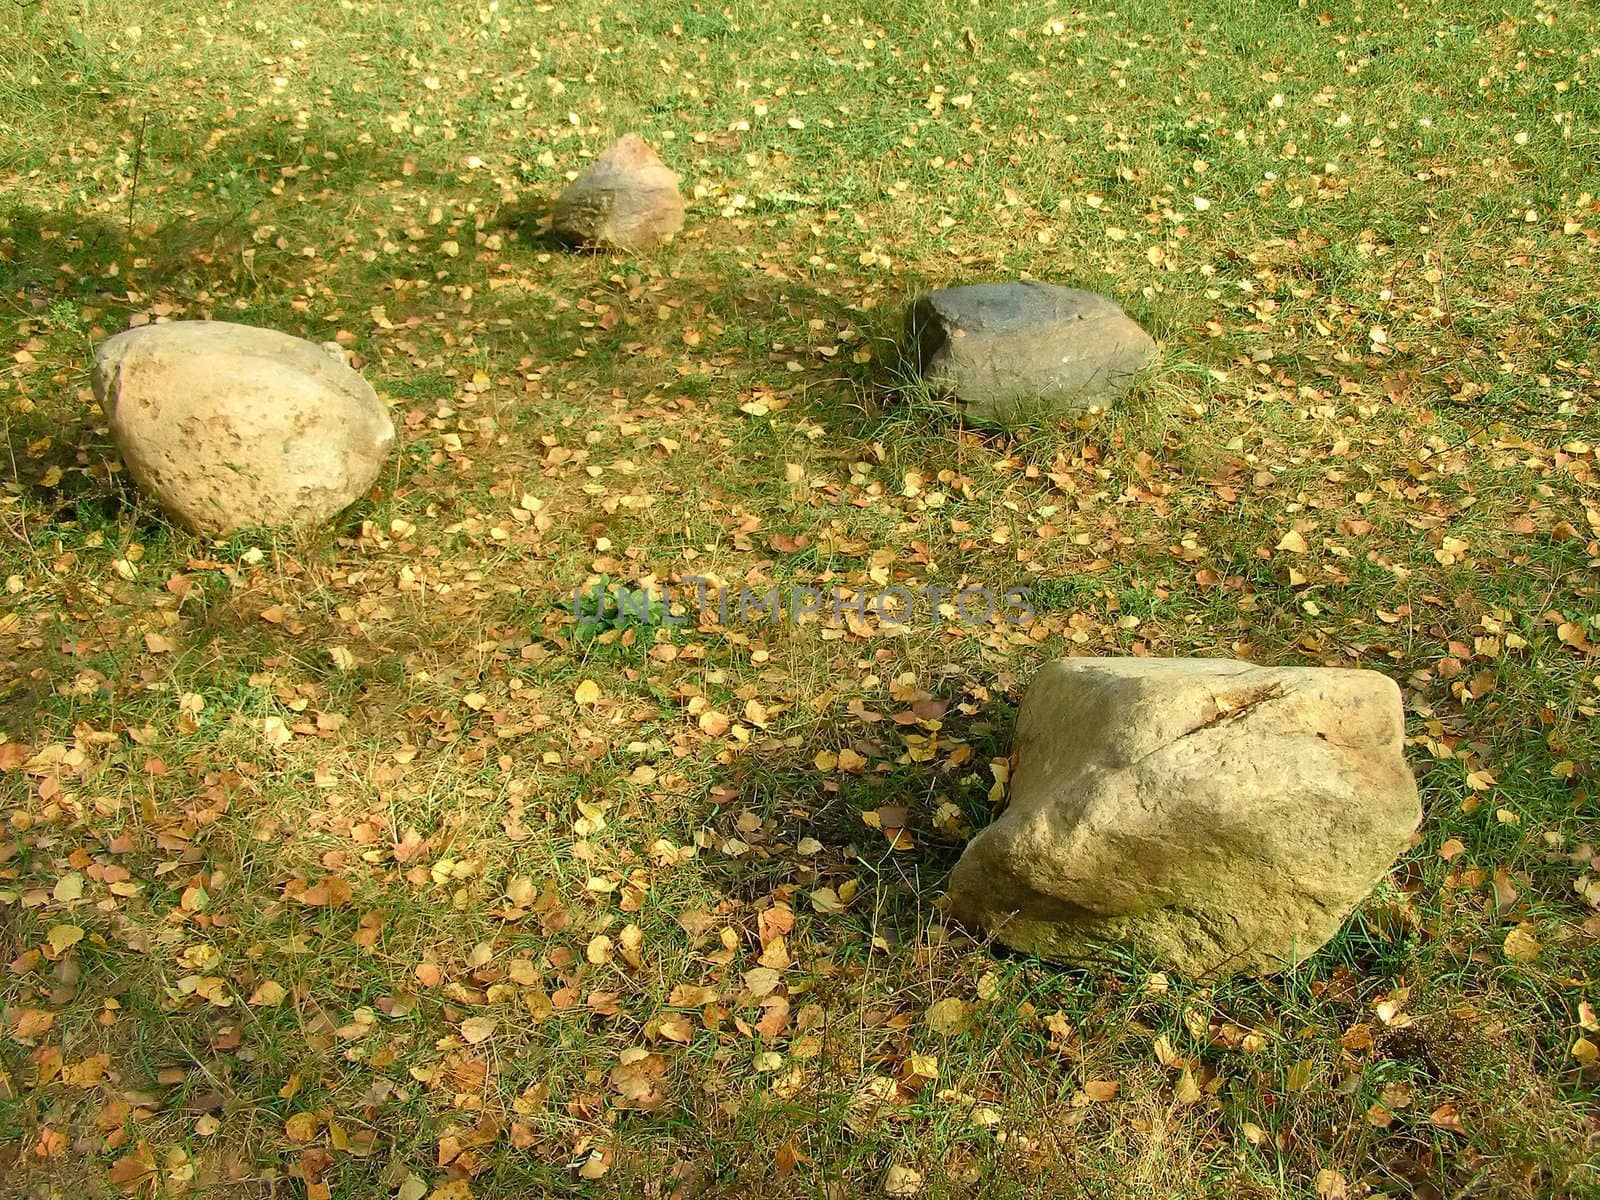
(867, 816)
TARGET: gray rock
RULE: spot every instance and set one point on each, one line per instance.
(228, 426)
(1215, 816)
(627, 199)
(1010, 353)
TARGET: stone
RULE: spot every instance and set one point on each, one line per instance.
(230, 426)
(1013, 353)
(1216, 817)
(627, 199)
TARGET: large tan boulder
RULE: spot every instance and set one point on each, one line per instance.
(229, 426)
(1214, 816)
(627, 199)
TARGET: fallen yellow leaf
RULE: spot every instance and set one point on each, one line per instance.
(63, 937)
(946, 1017)
(268, 995)
(477, 1029)
(1521, 946)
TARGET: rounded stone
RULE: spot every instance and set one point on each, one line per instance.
(231, 426)
(1011, 353)
(1213, 816)
(627, 199)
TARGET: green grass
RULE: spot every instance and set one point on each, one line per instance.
(1365, 236)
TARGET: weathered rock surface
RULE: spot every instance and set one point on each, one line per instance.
(1010, 353)
(229, 426)
(627, 199)
(1215, 816)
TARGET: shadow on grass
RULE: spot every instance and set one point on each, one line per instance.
(157, 241)
(895, 827)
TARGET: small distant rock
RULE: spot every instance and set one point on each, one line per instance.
(230, 426)
(1214, 816)
(1010, 353)
(627, 199)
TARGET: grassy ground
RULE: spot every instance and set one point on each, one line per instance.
(317, 879)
